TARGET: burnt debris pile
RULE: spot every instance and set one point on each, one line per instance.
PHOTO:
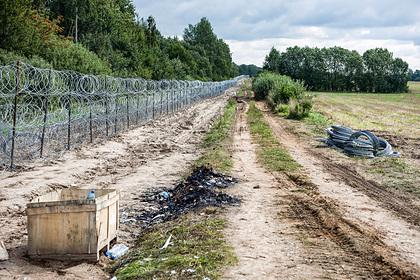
(202, 188)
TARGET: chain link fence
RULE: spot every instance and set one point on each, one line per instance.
(44, 112)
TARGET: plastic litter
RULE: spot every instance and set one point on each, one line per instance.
(168, 241)
(165, 195)
(358, 143)
(116, 251)
(91, 195)
(4, 256)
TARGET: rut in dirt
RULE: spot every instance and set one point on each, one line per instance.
(398, 203)
(363, 254)
(338, 244)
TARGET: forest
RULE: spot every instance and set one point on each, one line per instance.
(108, 37)
(339, 69)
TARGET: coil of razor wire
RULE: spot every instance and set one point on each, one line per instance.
(358, 143)
(45, 112)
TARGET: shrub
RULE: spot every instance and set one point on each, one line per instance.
(300, 108)
(284, 95)
(262, 85)
(282, 109)
(7, 57)
(65, 55)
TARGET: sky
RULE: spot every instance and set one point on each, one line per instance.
(251, 28)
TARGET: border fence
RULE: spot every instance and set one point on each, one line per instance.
(44, 112)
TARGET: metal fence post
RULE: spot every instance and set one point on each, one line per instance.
(45, 114)
(15, 103)
(90, 121)
(68, 121)
(128, 112)
(116, 114)
(147, 105)
(153, 105)
(138, 105)
(106, 109)
(161, 102)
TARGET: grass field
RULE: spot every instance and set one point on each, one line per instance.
(414, 87)
(394, 113)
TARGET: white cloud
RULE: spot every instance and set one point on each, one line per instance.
(253, 27)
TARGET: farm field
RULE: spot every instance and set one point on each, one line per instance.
(396, 113)
(414, 87)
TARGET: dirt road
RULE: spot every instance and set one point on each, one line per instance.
(267, 249)
(292, 226)
(151, 156)
(362, 218)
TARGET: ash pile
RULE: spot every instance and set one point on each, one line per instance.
(201, 189)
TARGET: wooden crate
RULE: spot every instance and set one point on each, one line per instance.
(65, 225)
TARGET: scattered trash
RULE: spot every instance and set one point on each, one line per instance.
(199, 190)
(116, 251)
(168, 241)
(91, 195)
(4, 256)
(256, 187)
(165, 195)
(114, 278)
(358, 143)
(190, 270)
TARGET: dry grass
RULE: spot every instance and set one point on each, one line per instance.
(395, 113)
(414, 87)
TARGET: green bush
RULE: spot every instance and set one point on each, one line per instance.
(65, 55)
(262, 85)
(300, 108)
(7, 57)
(282, 109)
(62, 55)
(284, 95)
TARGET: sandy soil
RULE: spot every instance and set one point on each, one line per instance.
(266, 248)
(151, 156)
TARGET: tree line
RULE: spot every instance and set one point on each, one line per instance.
(415, 75)
(339, 69)
(111, 39)
(249, 69)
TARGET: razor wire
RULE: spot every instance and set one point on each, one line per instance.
(44, 112)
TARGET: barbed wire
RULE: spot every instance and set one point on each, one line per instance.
(44, 112)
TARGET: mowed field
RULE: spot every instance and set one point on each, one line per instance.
(414, 87)
(398, 114)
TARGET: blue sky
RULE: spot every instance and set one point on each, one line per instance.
(251, 28)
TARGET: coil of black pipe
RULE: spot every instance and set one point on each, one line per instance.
(361, 143)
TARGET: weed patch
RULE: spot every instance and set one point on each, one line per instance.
(273, 156)
(198, 250)
(217, 154)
